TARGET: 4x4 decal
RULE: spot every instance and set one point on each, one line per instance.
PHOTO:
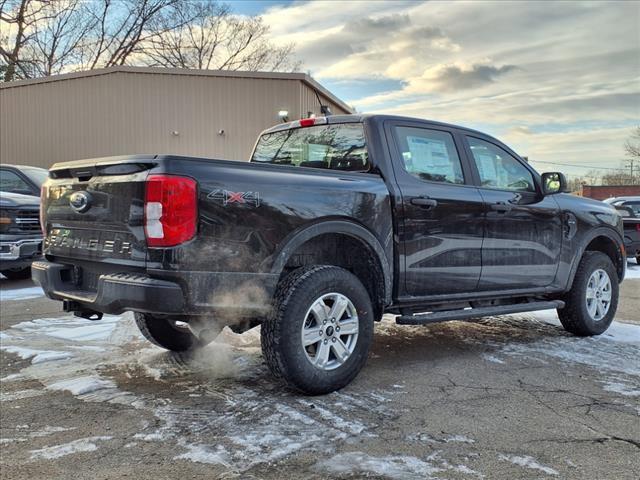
(227, 197)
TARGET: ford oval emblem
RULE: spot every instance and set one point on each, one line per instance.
(80, 201)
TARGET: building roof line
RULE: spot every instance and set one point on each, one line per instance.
(303, 77)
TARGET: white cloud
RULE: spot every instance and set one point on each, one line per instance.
(569, 68)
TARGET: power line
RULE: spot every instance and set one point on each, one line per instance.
(576, 166)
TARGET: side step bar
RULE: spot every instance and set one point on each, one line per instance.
(476, 312)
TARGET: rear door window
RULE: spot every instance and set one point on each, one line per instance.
(336, 147)
(429, 155)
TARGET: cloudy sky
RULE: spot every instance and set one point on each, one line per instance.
(558, 81)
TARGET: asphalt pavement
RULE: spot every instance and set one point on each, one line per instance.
(504, 397)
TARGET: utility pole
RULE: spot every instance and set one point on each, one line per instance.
(629, 165)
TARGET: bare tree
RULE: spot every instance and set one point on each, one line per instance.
(632, 146)
(45, 37)
(120, 28)
(17, 19)
(57, 38)
(211, 37)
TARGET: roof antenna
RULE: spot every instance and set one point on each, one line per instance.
(325, 110)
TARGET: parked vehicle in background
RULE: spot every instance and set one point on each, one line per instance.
(629, 207)
(334, 222)
(20, 234)
(22, 179)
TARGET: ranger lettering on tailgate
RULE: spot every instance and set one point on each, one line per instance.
(65, 238)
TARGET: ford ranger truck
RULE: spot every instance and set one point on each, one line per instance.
(334, 222)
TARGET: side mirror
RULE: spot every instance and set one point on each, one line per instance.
(553, 182)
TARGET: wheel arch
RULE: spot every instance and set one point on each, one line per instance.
(603, 240)
(360, 252)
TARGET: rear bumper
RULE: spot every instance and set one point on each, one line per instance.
(115, 294)
(19, 253)
(228, 295)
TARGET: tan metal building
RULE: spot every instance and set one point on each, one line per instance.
(128, 110)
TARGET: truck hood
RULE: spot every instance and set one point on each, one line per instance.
(592, 211)
(8, 199)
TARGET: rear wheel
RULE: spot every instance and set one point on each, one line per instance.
(17, 273)
(320, 331)
(172, 334)
(591, 303)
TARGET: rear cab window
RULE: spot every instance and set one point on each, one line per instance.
(331, 146)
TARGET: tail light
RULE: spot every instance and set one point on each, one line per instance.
(170, 210)
(44, 193)
(638, 227)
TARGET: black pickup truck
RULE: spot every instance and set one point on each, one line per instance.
(334, 222)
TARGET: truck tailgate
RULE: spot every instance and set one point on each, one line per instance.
(94, 210)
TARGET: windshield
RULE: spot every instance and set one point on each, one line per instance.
(337, 147)
(36, 175)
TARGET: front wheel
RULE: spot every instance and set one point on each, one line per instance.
(591, 303)
(320, 331)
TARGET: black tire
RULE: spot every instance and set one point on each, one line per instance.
(164, 333)
(281, 336)
(638, 259)
(17, 273)
(575, 317)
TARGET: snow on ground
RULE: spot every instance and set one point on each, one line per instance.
(607, 352)
(528, 462)
(82, 385)
(20, 294)
(57, 451)
(226, 409)
(395, 467)
(241, 418)
(37, 356)
(633, 269)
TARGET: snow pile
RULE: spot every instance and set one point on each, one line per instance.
(528, 462)
(76, 446)
(204, 454)
(82, 385)
(395, 467)
(400, 467)
(37, 356)
(71, 328)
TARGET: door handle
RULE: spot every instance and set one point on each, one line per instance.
(501, 207)
(424, 202)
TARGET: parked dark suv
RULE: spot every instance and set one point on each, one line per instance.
(629, 207)
(20, 234)
(22, 179)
